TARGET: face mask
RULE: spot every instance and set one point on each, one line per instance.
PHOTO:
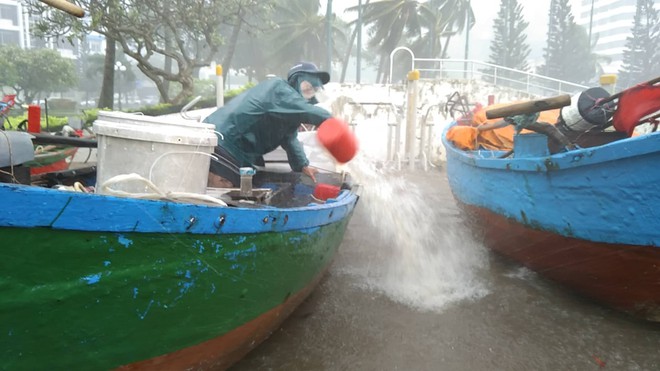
(321, 96)
(307, 90)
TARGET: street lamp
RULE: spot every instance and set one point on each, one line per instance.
(121, 69)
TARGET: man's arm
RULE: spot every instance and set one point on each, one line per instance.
(292, 107)
(295, 153)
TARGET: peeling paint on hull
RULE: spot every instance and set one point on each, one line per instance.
(133, 296)
(589, 221)
(624, 277)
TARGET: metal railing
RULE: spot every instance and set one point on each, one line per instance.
(491, 74)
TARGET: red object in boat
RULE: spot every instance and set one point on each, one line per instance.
(325, 191)
(55, 166)
(335, 135)
(53, 161)
(34, 118)
(634, 104)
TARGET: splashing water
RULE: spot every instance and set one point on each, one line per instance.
(414, 255)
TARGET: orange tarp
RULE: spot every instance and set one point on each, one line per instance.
(469, 138)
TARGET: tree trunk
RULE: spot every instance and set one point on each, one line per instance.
(106, 99)
(382, 67)
(349, 49)
(226, 63)
(168, 60)
(187, 89)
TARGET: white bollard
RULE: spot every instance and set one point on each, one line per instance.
(411, 117)
(219, 87)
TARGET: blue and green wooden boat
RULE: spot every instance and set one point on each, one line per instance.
(98, 282)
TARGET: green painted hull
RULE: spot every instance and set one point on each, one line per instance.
(94, 300)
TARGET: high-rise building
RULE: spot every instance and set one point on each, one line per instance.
(609, 23)
(13, 24)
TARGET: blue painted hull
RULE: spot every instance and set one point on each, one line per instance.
(31, 207)
(587, 218)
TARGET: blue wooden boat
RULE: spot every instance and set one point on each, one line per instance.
(585, 217)
(94, 281)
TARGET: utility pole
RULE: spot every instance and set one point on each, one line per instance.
(328, 34)
(358, 66)
(467, 39)
(591, 21)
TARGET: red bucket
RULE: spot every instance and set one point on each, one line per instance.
(324, 191)
(338, 139)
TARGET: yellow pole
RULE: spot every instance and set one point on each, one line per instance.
(608, 82)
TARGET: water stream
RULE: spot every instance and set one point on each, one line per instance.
(411, 254)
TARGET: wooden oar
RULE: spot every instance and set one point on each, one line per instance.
(66, 6)
(532, 106)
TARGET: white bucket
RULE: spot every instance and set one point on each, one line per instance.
(173, 155)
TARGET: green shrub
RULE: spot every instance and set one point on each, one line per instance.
(52, 125)
(90, 115)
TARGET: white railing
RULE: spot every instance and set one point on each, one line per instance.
(466, 69)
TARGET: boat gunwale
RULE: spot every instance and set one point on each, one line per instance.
(613, 151)
(34, 207)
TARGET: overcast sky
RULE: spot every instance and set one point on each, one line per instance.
(534, 11)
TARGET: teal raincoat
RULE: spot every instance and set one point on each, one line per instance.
(264, 117)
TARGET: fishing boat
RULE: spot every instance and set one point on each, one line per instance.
(580, 210)
(96, 276)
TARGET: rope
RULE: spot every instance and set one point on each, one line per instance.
(151, 169)
(156, 193)
(11, 160)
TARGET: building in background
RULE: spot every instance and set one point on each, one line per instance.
(15, 30)
(609, 23)
(14, 25)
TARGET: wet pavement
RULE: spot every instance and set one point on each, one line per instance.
(410, 289)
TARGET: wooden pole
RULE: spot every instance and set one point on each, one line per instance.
(66, 6)
(530, 107)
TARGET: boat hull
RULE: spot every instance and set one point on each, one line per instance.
(624, 277)
(585, 218)
(138, 297)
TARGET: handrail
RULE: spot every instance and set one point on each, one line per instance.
(468, 69)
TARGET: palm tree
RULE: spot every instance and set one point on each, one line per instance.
(445, 18)
(300, 33)
(349, 49)
(391, 21)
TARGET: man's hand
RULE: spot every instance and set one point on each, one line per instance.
(310, 171)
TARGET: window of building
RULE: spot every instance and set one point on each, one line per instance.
(10, 13)
(9, 37)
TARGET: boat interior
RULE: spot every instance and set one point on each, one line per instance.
(270, 187)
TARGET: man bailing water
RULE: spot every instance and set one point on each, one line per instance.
(264, 117)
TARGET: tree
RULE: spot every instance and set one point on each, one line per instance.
(300, 34)
(641, 56)
(357, 26)
(32, 73)
(143, 29)
(443, 18)
(391, 22)
(568, 54)
(509, 46)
